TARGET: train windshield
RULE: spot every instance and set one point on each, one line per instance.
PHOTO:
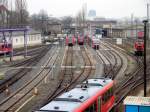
(98, 31)
(70, 35)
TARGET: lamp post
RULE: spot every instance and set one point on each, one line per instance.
(148, 19)
(145, 66)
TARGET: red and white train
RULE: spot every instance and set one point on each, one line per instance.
(80, 39)
(139, 47)
(93, 42)
(94, 95)
(70, 40)
(5, 48)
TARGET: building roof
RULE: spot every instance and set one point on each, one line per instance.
(140, 101)
(20, 33)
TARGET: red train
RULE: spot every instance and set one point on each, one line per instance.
(94, 95)
(139, 47)
(70, 40)
(94, 42)
(80, 39)
(5, 48)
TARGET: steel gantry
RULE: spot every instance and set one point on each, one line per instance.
(9, 31)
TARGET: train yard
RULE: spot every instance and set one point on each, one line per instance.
(52, 70)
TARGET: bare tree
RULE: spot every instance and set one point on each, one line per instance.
(4, 2)
(21, 10)
(43, 18)
(3, 13)
(39, 21)
(81, 19)
(34, 21)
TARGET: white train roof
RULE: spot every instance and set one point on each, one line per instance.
(68, 101)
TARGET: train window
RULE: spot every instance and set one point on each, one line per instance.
(103, 99)
(92, 108)
(106, 96)
(111, 91)
(16, 40)
(2, 46)
(6, 45)
(99, 104)
(9, 45)
(95, 106)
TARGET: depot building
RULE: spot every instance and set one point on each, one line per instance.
(33, 38)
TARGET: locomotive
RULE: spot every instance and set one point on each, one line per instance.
(139, 47)
(93, 95)
(98, 33)
(70, 40)
(80, 39)
(5, 48)
(93, 42)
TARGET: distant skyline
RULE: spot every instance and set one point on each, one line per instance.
(103, 8)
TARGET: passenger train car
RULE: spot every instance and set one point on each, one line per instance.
(5, 48)
(98, 33)
(70, 40)
(139, 47)
(93, 95)
(94, 42)
(80, 39)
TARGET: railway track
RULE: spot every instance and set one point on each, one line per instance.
(33, 53)
(66, 76)
(110, 69)
(75, 78)
(132, 81)
(5, 84)
(88, 66)
(12, 102)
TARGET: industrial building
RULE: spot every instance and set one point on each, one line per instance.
(33, 38)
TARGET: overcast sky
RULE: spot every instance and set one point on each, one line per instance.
(104, 8)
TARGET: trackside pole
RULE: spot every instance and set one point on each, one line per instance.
(4, 44)
(25, 43)
(145, 66)
(12, 50)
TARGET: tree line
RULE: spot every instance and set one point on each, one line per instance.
(16, 14)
